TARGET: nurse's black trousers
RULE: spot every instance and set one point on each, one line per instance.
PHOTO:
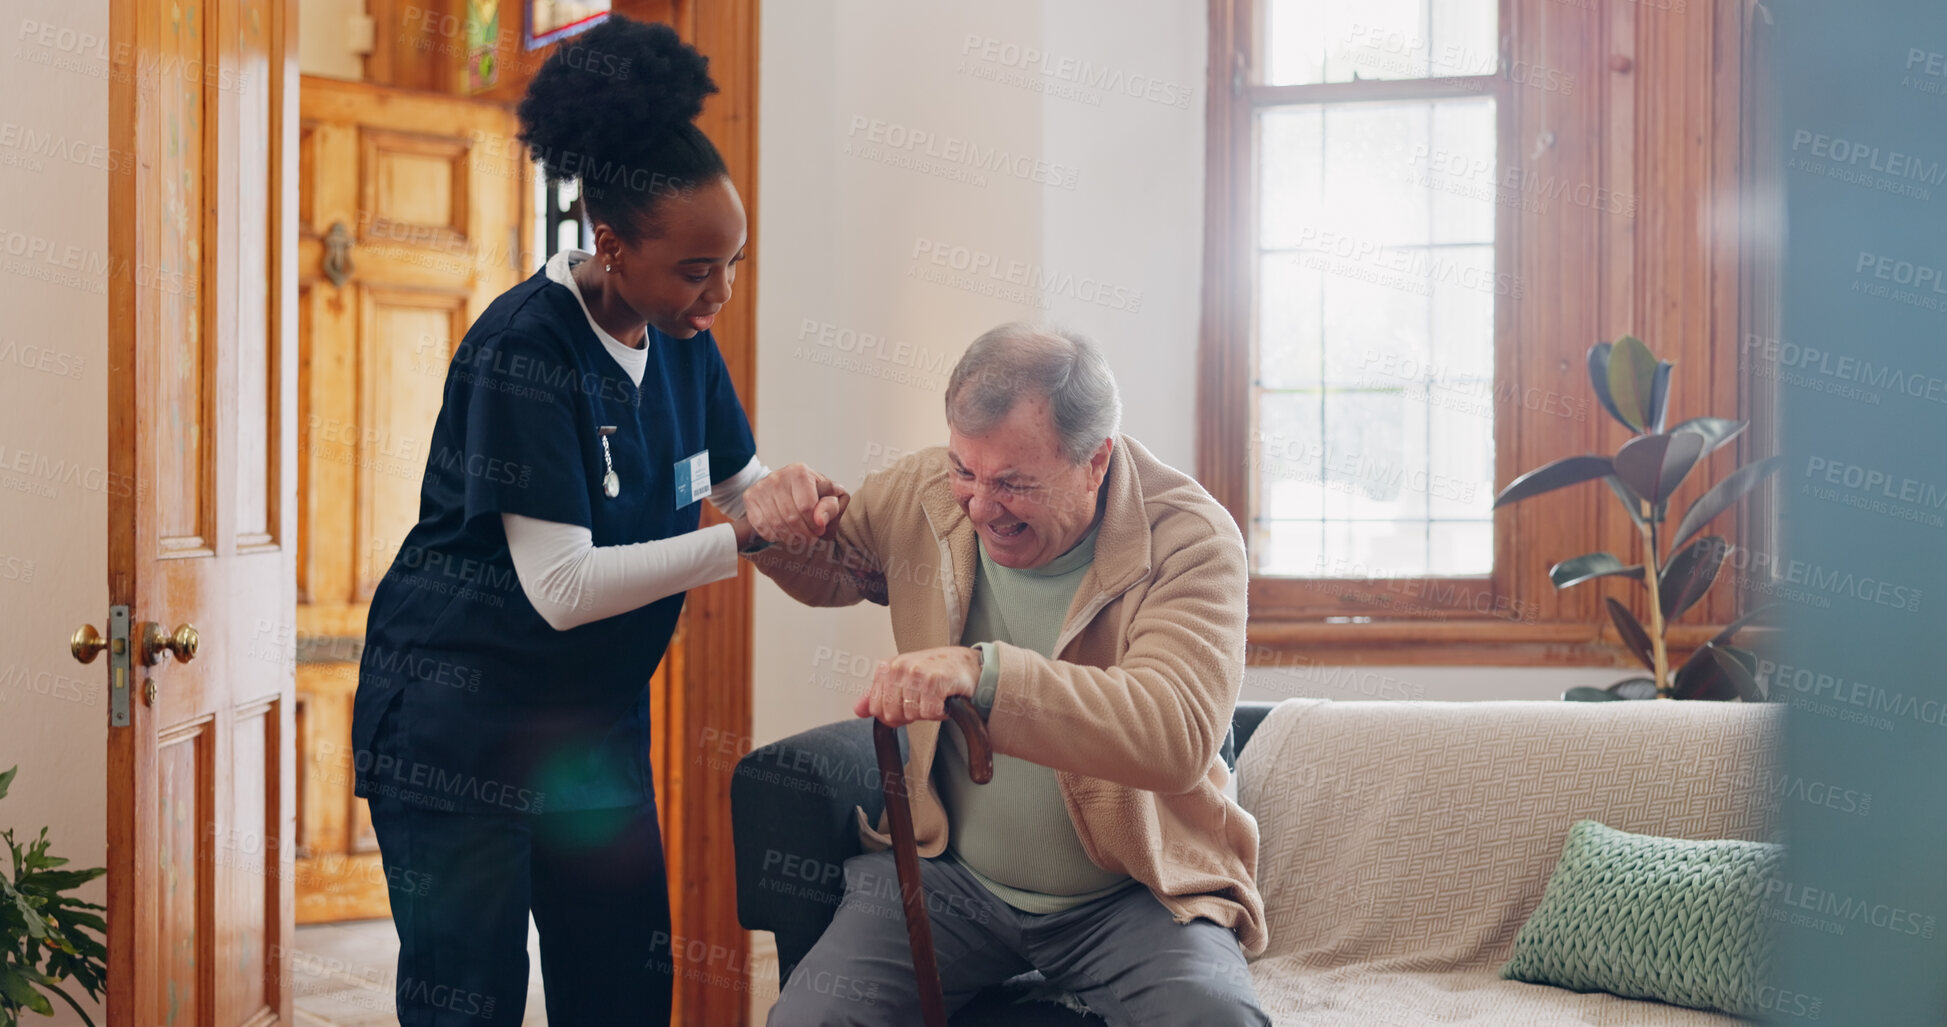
(462, 885)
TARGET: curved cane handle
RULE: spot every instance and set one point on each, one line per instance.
(980, 752)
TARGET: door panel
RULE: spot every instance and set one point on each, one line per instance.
(404, 341)
(183, 785)
(435, 226)
(201, 396)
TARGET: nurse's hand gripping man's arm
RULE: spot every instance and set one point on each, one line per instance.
(501, 724)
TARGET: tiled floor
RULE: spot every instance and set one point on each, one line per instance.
(343, 975)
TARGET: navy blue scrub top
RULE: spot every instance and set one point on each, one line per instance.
(467, 700)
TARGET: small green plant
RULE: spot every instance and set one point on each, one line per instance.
(49, 936)
(1634, 386)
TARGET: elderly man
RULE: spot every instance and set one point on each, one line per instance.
(1090, 600)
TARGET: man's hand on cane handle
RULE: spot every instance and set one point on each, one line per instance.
(914, 686)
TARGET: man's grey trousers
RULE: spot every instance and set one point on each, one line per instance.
(1123, 955)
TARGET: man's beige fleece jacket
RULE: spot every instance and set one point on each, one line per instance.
(1132, 715)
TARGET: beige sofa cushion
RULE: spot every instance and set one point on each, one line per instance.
(1403, 845)
(1356, 996)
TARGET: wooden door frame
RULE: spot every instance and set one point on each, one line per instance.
(709, 707)
(713, 706)
(714, 701)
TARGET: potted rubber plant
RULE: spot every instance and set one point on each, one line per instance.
(1678, 566)
(49, 936)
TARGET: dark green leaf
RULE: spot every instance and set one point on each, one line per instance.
(1690, 574)
(1750, 616)
(1634, 637)
(48, 882)
(1703, 676)
(1715, 430)
(7, 779)
(1632, 377)
(1599, 380)
(1590, 566)
(1723, 495)
(20, 990)
(1571, 470)
(1654, 465)
(1741, 667)
(1583, 693)
(1634, 688)
(30, 915)
(1659, 396)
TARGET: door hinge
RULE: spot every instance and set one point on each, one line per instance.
(1237, 73)
(121, 653)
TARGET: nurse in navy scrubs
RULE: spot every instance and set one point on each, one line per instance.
(501, 726)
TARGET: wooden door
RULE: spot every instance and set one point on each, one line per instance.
(414, 214)
(201, 411)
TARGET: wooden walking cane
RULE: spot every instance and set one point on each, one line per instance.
(905, 850)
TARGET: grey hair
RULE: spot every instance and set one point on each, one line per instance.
(1016, 359)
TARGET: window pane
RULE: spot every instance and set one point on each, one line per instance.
(1375, 456)
(1289, 549)
(1291, 173)
(1457, 169)
(1461, 548)
(1340, 178)
(1288, 453)
(1289, 323)
(1375, 549)
(1375, 339)
(1313, 41)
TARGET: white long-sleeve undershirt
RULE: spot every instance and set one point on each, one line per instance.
(572, 581)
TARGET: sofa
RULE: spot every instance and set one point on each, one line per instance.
(1402, 844)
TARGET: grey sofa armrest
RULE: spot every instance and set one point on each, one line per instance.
(791, 820)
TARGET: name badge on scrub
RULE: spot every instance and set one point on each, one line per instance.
(692, 478)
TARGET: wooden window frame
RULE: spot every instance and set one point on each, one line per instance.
(1586, 274)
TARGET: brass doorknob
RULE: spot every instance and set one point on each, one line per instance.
(86, 643)
(156, 641)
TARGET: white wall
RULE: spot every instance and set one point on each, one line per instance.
(54, 166)
(847, 239)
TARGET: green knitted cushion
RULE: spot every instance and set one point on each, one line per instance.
(1646, 917)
